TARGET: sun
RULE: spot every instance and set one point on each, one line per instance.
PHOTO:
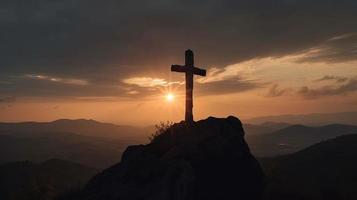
(170, 97)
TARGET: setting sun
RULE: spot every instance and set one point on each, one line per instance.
(170, 97)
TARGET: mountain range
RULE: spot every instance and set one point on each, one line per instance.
(100, 145)
(87, 142)
(294, 138)
(80, 126)
(300, 161)
(314, 119)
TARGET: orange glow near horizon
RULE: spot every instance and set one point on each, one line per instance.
(144, 112)
(153, 98)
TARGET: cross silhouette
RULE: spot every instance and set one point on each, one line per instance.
(189, 69)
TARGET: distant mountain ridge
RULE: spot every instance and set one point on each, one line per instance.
(107, 141)
(294, 138)
(264, 128)
(314, 119)
(79, 126)
(87, 142)
(40, 146)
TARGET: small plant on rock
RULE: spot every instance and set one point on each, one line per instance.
(160, 128)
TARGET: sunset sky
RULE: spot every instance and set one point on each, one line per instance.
(110, 60)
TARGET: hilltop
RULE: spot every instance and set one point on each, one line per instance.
(208, 159)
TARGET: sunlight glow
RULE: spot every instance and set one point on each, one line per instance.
(170, 97)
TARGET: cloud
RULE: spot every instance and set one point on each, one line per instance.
(57, 79)
(228, 80)
(274, 91)
(146, 86)
(38, 85)
(104, 43)
(330, 90)
(146, 81)
(140, 33)
(215, 85)
(216, 75)
(7, 99)
(334, 78)
(340, 48)
(133, 92)
(227, 86)
(343, 36)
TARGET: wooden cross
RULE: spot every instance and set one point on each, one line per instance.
(189, 69)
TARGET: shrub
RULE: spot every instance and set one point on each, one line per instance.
(160, 128)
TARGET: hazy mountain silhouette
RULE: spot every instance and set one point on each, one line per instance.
(40, 146)
(294, 138)
(264, 128)
(324, 171)
(30, 181)
(315, 119)
(87, 142)
(208, 159)
(79, 126)
(38, 141)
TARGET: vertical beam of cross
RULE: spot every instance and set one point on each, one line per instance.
(189, 63)
(190, 70)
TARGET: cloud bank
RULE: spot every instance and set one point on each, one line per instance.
(87, 47)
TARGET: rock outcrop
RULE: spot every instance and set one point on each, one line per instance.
(208, 159)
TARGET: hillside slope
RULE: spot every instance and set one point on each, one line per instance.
(323, 171)
(43, 181)
(89, 151)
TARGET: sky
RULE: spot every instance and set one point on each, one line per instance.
(110, 60)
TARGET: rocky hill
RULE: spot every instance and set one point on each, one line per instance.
(208, 159)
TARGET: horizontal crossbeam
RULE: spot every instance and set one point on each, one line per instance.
(186, 69)
(178, 68)
(198, 71)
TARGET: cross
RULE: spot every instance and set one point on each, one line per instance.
(189, 69)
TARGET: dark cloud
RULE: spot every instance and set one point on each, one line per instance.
(331, 90)
(23, 86)
(232, 85)
(104, 42)
(337, 49)
(7, 99)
